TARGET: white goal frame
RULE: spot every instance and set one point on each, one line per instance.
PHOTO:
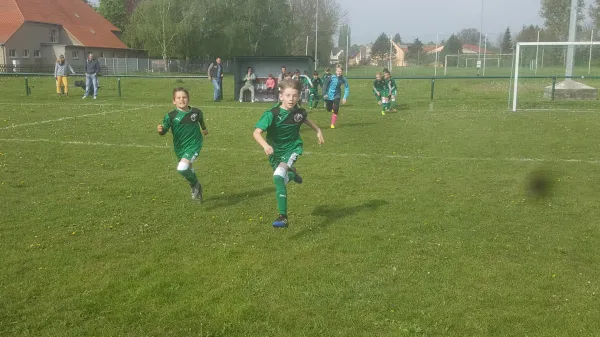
(518, 57)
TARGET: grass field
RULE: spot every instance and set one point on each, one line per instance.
(417, 223)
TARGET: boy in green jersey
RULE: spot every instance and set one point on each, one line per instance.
(283, 144)
(380, 91)
(185, 123)
(392, 89)
(313, 101)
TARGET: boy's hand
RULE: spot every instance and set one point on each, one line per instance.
(343, 101)
(320, 137)
(205, 132)
(268, 150)
(160, 128)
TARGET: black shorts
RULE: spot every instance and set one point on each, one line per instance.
(333, 105)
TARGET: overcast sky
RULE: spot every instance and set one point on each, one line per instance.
(425, 18)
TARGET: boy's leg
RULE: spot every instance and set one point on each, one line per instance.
(384, 104)
(335, 105)
(393, 101)
(185, 169)
(251, 93)
(281, 176)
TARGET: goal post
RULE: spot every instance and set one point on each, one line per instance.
(517, 61)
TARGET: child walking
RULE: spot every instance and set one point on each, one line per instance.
(283, 143)
(185, 123)
(381, 92)
(313, 100)
(392, 89)
(332, 93)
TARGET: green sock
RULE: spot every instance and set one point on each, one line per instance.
(393, 104)
(189, 175)
(384, 106)
(291, 175)
(280, 194)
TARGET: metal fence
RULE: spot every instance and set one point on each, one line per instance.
(118, 66)
(123, 66)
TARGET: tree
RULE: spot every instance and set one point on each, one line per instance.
(381, 48)
(398, 40)
(415, 49)
(114, 11)
(594, 13)
(469, 36)
(556, 15)
(453, 46)
(507, 43)
(343, 34)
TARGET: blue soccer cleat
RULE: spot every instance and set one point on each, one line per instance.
(281, 222)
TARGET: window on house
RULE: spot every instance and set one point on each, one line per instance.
(25, 53)
(37, 54)
(12, 53)
(75, 55)
(101, 54)
(53, 36)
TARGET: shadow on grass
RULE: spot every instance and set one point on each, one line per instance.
(332, 214)
(227, 200)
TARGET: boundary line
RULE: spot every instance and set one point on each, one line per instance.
(364, 155)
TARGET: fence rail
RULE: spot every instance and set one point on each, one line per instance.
(123, 66)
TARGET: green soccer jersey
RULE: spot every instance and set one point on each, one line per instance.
(185, 126)
(391, 83)
(283, 129)
(379, 85)
(316, 82)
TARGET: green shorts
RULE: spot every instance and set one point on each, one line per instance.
(394, 93)
(288, 158)
(189, 154)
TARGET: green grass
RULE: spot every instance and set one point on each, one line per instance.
(417, 223)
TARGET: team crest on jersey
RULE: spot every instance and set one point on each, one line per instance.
(193, 117)
(298, 117)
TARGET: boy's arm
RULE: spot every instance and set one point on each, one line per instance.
(164, 127)
(55, 69)
(346, 89)
(257, 134)
(72, 71)
(203, 124)
(316, 128)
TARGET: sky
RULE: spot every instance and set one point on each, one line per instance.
(425, 18)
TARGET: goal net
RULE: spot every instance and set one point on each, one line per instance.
(539, 70)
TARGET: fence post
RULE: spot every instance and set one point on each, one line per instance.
(119, 86)
(26, 86)
(432, 87)
(553, 86)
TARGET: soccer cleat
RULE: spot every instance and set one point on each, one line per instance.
(297, 176)
(383, 113)
(197, 192)
(281, 222)
(94, 97)
(332, 126)
(84, 97)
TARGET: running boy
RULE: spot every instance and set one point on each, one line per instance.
(185, 123)
(313, 100)
(283, 144)
(392, 89)
(380, 91)
(332, 93)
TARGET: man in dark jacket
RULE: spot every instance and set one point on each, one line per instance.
(215, 74)
(91, 69)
